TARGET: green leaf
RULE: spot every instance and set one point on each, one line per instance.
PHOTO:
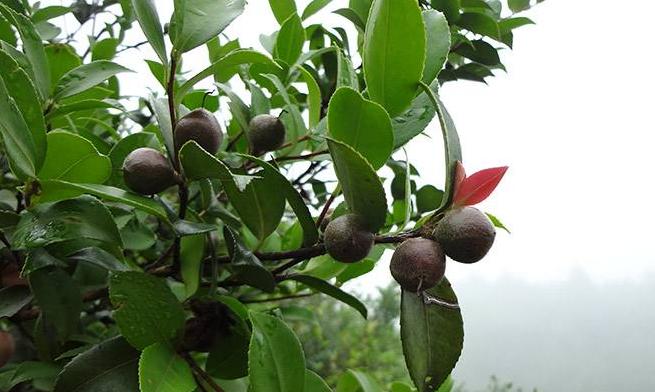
(497, 222)
(356, 381)
(450, 8)
(162, 370)
(40, 258)
(58, 296)
(21, 89)
(352, 16)
(33, 48)
(191, 257)
(228, 356)
(346, 76)
(86, 76)
(428, 198)
(290, 40)
(72, 158)
(123, 148)
(87, 104)
(34, 371)
(282, 9)
(310, 231)
(98, 257)
(7, 34)
(314, 383)
(197, 21)
(245, 266)
(146, 15)
(518, 5)
(51, 12)
(104, 49)
(163, 116)
(509, 24)
(18, 141)
(314, 7)
(361, 186)
(314, 100)
(481, 52)
(235, 58)
(53, 190)
(333, 291)
(362, 124)
(432, 334)
(438, 44)
(147, 312)
(83, 217)
(259, 204)
(61, 59)
(480, 24)
(394, 53)
(275, 359)
(13, 299)
(109, 366)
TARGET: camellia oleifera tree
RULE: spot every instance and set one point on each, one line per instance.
(152, 249)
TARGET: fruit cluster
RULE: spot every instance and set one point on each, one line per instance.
(148, 172)
(464, 234)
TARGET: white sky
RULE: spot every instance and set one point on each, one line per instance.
(572, 120)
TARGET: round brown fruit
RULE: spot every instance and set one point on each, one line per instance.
(148, 172)
(466, 234)
(202, 127)
(347, 239)
(418, 264)
(267, 133)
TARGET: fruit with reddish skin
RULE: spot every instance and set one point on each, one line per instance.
(7, 347)
(418, 264)
(266, 133)
(347, 239)
(202, 127)
(466, 234)
(148, 172)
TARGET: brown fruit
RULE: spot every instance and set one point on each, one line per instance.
(466, 234)
(7, 347)
(418, 264)
(147, 171)
(267, 133)
(202, 127)
(347, 239)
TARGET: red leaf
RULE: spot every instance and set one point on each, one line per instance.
(460, 176)
(477, 187)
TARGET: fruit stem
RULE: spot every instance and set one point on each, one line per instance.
(326, 207)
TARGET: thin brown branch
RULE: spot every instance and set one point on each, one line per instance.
(201, 373)
(274, 299)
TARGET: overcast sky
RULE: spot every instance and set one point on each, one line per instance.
(572, 119)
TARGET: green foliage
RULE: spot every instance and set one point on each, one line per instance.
(187, 290)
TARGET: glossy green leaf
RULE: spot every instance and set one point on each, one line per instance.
(356, 381)
(34, 371)
(480, 24)
(197, 21)
(228, 355)
(191, 258)
(59, 299)
(146, 15)
(13, 299)
(276, 360)
(314, 383)
(438, 44)
(362, 7)
(361, 186)
(86, 76)
(104, 49)
(109, 366)
(54, 190)
(333, 291)
(245, 266)
(432, 334)
(352, 16)
(7, 34)
(314, 99)
(83, 217)
(32, 46)
(72, 158)
(297, 203)
(394, 53)
(259, 204)
(480, 51)
(314, 7)
(450, 9)
(146, 312)
(282, 9)
(40, 258)
(362, 124)
(98, 257)
(238, 57)
(509, 24)
(518, 5)
(18, 141)
(20, 88)
(87, 104)
(161, 369)
(415, 120)
(497, 222)
(290, 40)
(346, 76)
(163, 116)
(61, 59)
(428, 198)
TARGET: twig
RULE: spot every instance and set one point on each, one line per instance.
(273, 299)
(327, 205)
(301, 157)
(201, 373)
